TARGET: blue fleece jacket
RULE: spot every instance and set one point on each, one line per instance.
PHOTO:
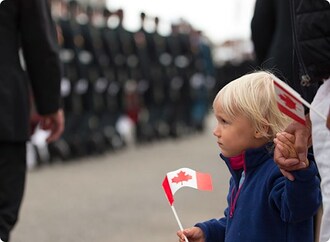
(267, 207)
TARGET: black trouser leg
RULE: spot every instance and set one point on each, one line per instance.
(12, 181)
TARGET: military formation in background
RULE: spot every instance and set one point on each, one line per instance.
(160, 85)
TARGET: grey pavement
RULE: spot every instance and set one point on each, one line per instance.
(118, 197)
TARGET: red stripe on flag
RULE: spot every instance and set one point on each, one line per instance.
(289, 104)
(286, 91)
(204, 181)
(168, 191)
(291, 114)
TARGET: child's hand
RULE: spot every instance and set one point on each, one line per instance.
(286, 156)
(193, 234)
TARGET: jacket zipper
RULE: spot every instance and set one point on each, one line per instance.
(305, 78)
(233, 201)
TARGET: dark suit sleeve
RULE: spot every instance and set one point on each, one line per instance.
(40, 49)
(262, 28)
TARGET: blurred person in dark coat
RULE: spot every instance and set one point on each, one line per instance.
(311, 34)
(26, 26)
(272, 37)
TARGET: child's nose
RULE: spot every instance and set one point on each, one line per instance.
(216, 131)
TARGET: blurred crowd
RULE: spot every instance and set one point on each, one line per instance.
(121, 86)
(118, 83)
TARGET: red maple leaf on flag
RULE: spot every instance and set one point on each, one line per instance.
(288, 101)
(181, 177)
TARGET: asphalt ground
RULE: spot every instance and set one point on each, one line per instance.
(119, 197)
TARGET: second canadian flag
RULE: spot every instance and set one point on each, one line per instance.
(291, 103)
(185, 177)
(288, 103)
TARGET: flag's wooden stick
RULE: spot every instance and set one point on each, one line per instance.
(297, 96)
(315, 110)
(178, 220)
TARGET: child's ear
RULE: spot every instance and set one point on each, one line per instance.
(260, 134)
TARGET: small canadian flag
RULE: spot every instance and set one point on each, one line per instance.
(185, 177)
(288, 102)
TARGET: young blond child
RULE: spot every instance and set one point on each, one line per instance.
(263, 205)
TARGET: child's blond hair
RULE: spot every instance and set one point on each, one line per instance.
(253, 96)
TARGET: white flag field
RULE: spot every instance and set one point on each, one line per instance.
(291, 103)
(185, 177)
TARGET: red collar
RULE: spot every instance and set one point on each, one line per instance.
(237, 162)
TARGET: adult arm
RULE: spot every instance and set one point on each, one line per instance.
(41, 55)
(262, 28)
(40, 49)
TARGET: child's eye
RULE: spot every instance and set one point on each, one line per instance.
(224, 121)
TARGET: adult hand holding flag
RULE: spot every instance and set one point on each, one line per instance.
(184, 177)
